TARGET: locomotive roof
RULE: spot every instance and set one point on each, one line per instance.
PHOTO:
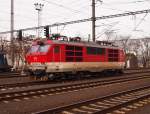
(82, 43)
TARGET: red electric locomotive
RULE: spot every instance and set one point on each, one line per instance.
(49, 58)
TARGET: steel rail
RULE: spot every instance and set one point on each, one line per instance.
(108, 107)
(61, 89)
(39, 82)
(102, 78)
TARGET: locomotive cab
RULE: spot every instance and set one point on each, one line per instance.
(37, 57)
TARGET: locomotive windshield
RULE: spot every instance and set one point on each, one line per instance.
(39, 48)
(44, 48)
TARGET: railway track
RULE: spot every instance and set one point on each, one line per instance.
(118, 103)
(23, 94)
(19, 85)
(4, 75)
(10, 75)
(4, 87)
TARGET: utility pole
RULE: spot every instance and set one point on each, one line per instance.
(93, 20)
(12, 31)
(39, 7)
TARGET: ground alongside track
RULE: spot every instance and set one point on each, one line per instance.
(142, 110)
(29, 105)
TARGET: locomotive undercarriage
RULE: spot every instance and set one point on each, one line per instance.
(42, 75)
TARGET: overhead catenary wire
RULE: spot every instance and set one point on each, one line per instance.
(62, 29)
(123, 3)
(123, 10)
(62, 6)
(78, 10)
(140, 21)
(84, 20)
(108, 29)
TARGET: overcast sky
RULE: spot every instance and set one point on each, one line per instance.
(55, 11)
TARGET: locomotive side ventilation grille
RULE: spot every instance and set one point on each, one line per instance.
(74, 54)
(113, 55)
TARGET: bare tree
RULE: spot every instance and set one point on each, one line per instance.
(145, 51)
(123, 42)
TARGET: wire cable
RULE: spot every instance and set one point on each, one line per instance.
(84, 20)
(62, 6)
(140, 21)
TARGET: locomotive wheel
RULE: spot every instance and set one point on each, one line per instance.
(51, 76)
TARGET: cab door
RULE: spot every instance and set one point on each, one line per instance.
(56, 53)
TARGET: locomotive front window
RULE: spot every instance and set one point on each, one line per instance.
(34, 49)
(44, 48)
